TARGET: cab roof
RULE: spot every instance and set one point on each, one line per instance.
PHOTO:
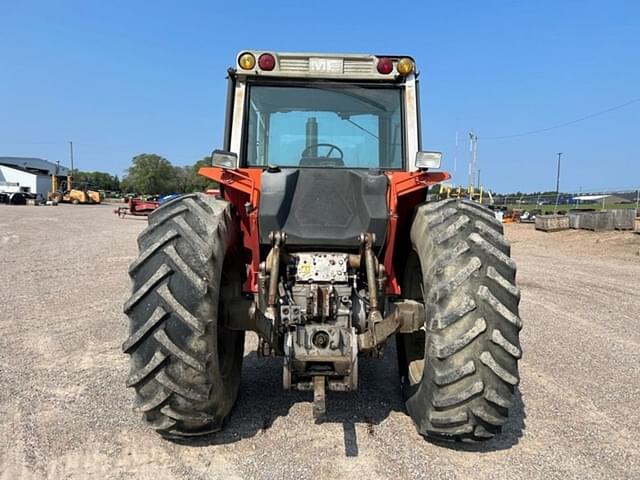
(324, 65)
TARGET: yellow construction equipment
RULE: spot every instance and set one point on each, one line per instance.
(70, 194)
(470, 193)
(94, 196)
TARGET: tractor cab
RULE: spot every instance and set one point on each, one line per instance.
(324, 148)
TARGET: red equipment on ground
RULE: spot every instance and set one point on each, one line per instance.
(137, 207)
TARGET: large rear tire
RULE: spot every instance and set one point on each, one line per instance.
(184, 364)
(460, 373)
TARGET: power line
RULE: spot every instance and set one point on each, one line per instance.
(571, 122)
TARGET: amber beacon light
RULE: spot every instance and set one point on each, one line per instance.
(404, 66)
(247, 61)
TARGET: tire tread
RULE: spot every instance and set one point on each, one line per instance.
(171, 343)
(472, 326)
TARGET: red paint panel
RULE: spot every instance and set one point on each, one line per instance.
(241, 188)
(401, 204)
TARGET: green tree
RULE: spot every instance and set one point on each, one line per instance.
(188, 180)
(150, 174)
(198, 182)
(96, 180)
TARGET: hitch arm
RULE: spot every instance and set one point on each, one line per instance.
(407, 316)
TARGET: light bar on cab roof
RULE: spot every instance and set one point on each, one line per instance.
(324, 65)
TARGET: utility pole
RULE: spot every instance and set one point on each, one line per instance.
(579, 195)
(558, 174)
(479, 178)
(473, 147)
(70, 176)
(455, 155)
(71, 155)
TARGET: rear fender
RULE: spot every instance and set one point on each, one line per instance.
(406, 191)
(241, 188)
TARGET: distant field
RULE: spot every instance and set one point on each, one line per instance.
(565, 208)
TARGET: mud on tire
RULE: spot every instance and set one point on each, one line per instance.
(184, 365)
(459, 375)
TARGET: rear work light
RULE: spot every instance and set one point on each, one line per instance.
(267, 62)
(385, 65)
(247, 61)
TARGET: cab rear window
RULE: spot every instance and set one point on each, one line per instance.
(322, 125)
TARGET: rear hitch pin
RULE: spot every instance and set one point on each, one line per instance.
(319, 397)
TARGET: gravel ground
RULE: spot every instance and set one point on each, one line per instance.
(66, 413)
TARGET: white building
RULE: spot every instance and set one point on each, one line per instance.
(29, 175)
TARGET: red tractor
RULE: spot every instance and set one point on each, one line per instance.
(322, 241)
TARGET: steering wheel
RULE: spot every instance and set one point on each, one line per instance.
(331, 146)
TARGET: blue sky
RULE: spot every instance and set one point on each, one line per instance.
(124, 77)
